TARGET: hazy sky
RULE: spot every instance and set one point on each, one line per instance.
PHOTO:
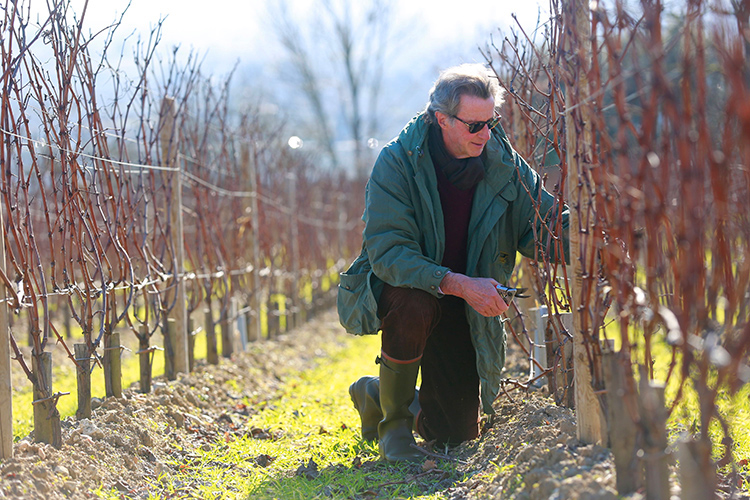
(230, 29)
(441, 33)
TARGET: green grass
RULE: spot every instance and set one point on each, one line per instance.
(311, 421)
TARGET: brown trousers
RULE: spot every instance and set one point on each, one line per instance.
(414, 324)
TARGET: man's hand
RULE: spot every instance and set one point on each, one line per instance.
(479, 293)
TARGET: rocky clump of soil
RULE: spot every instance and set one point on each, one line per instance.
(531, 452)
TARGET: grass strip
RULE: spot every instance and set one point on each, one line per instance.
(305, 444)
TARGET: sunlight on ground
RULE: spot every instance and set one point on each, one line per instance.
(305, 443)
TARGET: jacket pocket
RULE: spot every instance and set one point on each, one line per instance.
(506, 261)
(356, 304)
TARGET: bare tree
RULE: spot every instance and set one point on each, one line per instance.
(337, 58)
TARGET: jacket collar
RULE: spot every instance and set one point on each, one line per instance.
(414, 137)
(499, 168)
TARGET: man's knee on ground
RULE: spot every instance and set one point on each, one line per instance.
(451, 434)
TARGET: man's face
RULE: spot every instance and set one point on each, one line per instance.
(458, 141)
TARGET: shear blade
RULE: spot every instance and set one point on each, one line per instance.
(512, 292)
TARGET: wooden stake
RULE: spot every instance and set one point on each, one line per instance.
(564, 375)
(252, 325)
(106, 361)
(169, 331)
(535, 328)
(293, 315)
(145, 356)
(240, 323)
(46, 417)
(227, 340)
(212, 351)
(591, 423)
(169, 138)
(83, 377)
(255, 296)
(6, 385)
(249, 178)
(697, 473)
(191, 344)
(316, 298)
(273, 316)
(526, 305)
(622, 416)
(655, 453)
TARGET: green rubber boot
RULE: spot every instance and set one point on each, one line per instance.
(365, 394)
(397, 382)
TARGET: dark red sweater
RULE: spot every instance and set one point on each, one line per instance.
(456, 214)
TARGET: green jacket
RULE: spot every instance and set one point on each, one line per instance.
(404, 237)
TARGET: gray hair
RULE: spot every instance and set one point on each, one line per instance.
(467, 79)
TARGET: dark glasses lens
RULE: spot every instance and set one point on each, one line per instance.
(475, 127)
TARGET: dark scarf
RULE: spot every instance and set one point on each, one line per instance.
(464, 173)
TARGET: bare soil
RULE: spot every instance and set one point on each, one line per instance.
(528, 452)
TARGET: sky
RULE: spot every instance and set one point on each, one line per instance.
(231, 29)
(441, 33)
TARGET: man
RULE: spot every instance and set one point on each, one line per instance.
(448, 204)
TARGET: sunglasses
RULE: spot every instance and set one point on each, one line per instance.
(475, 127)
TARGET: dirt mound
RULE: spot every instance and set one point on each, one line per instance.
(531, 452)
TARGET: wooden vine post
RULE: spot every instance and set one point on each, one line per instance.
(212, 350)
(145, 355)
(83, 378)
(169, 137)
(591, 422)
(257, 263)
(622, 416)
(250, 179)
(293, 311)
(6, 388)
(112, 363)
(47, 427)
(191, 343)
(225, 325)
(168, 332)
(654, 453)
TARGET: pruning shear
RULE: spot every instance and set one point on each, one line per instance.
(508, 293)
